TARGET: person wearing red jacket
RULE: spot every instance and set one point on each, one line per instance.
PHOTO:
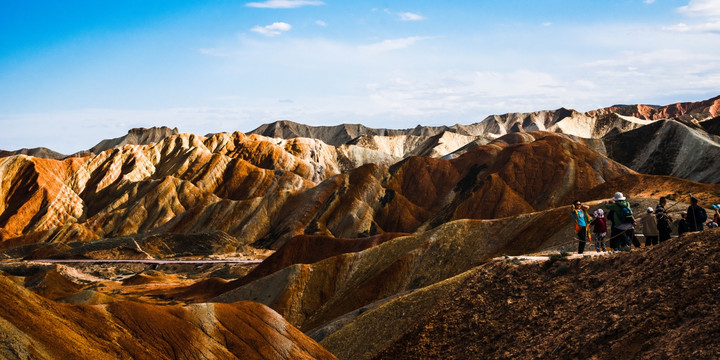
(599, 229)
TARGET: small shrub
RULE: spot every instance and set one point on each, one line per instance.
(553, 258)
(562, 269)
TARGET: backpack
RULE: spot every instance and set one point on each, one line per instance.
(626, 215)
(700, 213)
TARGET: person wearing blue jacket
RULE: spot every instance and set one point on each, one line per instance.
(579, 213)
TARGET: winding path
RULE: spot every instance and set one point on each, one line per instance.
(144, 261)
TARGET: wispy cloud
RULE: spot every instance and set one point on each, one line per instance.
(320, 23)
(408, 16)
(713, 27)
(284, 4)
(649, 1)
(705, 10)
(701, 8)
(403, 15)
(273, 29)
(394, 44)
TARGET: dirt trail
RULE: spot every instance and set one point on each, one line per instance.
(144, 261)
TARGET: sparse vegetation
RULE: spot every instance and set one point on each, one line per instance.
(553, 258)
(513, 260)
(562, 269)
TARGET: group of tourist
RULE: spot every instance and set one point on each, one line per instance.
(656, 223)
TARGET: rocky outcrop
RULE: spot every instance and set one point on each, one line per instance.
(700, 110)
(38, 328)
(403, 146)
(668, 147)
(339, 134)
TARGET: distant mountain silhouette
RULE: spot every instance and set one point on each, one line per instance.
(136, 136)
(36, 152)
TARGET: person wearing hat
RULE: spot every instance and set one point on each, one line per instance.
(622, 231)
(663, 220)
(599, 229)
(650, 228)
(696, 215)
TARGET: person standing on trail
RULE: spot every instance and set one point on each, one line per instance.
(663, 220)
(599, 229)
(696, 215)
(650, 228)
(683, 224)
(622, 230)
(716, 218)
(582, 223)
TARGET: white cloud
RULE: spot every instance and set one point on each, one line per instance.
(711, 27)
(649, 1)
(273, 29)
(467, 96)
(547, 24)
(320, 23)
(706, 10)
(701, 8)
(408, 16)
(284, 4)
(681, 27)
(393, 44)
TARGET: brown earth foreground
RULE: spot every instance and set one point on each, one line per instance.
(661, 302)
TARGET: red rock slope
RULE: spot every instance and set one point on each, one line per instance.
(37, 328)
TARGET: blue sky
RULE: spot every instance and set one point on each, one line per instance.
(75, 72)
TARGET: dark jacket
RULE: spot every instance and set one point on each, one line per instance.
(682, 227)
(696, 217)
(663, 221)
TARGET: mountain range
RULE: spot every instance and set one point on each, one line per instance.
(361, 243)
